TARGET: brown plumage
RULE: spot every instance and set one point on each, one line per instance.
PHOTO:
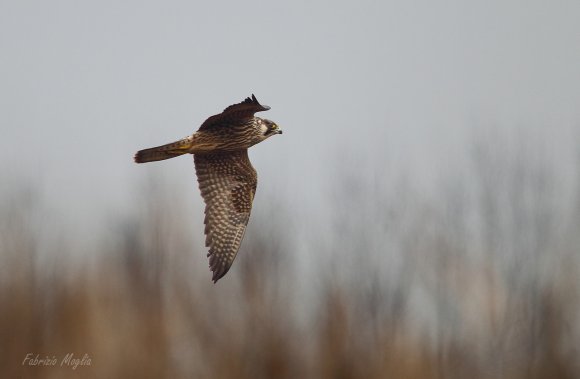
(226, 178)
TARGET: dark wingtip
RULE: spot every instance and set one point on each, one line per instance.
(255, 101)
(218, 274)
(216, 277)
(251, 100)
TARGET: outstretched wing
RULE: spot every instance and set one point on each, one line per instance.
(235, 114)
(228, 183)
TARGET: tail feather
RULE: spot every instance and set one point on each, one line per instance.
(162, 152)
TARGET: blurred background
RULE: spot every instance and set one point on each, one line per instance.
(418, 218)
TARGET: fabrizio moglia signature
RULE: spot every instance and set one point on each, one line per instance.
(69, 360)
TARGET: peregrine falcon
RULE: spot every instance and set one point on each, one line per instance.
(226, 178)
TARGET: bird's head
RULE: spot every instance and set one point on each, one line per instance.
(268, 128)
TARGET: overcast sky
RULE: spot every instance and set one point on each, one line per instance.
(379, 85)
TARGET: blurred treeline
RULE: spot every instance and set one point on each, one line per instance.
(476, 278)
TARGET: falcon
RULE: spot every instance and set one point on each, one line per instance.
(226, 178)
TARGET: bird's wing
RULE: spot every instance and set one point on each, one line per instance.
(235, 114)
(228, 183)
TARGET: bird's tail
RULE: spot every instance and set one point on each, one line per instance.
(162, 152)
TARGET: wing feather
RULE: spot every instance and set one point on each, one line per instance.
(235, 114)
(227, 182)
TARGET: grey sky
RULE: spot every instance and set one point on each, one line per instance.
(385, 85)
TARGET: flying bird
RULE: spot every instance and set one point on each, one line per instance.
(226, 178)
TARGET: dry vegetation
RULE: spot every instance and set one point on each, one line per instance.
(479, 283)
